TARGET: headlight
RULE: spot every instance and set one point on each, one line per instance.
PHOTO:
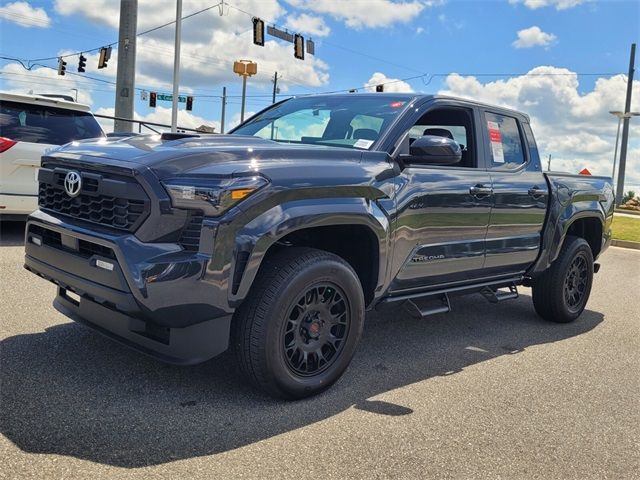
(212, 195)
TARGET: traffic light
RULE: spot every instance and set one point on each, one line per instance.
(152, 99)
(105, 55)
(82, 63)
(62, 66)
(258, 32)
(298, 46)
(379, 88)
(189, 103)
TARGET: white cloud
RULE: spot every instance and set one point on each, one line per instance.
(365, 13)
(533, 37)
(558, 4)
(575, 128)
(419, 30)
(23, 14)
(390, 84)
(43, 80)
(308, 24)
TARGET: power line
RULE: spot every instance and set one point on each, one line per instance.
(145, 32)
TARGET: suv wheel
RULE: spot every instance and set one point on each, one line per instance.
(297, 331)
(561, 293)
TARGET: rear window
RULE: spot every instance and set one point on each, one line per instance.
(43, 124)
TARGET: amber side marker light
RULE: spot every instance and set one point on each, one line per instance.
(240, 194)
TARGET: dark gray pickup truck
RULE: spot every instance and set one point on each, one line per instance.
(276, 238)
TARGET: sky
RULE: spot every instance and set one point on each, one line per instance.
(563, 62)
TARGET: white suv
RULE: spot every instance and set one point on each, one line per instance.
(29, 125)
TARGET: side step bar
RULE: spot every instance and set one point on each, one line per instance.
(438, 300)
(493, 295)
(415, 310)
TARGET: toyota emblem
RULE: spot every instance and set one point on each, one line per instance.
(72, 183)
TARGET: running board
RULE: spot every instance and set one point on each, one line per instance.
(442, 306)
(493, 295)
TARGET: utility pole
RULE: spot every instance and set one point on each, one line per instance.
(273, 100)
(176, 68)
(224, 108)
(625, 128)
(126, 74)
(549, 164)
(275, 87)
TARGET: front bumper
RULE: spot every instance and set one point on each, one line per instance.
(151, 296)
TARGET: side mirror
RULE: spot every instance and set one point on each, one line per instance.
(432, 149)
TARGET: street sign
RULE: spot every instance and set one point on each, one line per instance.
(169, 98)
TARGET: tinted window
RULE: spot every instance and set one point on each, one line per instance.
(44, 124)
(453, 123)
(344, 121)
(505, 141)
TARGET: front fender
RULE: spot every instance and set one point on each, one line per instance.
(260, 233)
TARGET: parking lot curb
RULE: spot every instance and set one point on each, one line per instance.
(626, 244)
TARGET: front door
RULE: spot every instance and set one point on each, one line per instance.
(442, 211)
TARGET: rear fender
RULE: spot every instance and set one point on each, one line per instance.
(566, 208)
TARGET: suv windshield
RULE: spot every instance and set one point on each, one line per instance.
(345, 121)
(26, 122)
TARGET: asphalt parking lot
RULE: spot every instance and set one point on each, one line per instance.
(484, 392)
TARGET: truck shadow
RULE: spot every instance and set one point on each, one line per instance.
(69, 391)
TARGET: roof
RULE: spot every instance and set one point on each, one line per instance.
(422, 96)
(40, 100)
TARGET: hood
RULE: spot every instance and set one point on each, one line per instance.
(169, 156)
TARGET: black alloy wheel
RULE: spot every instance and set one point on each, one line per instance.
(296, 332)
(315, 329)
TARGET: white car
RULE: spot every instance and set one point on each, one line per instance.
(30, 125)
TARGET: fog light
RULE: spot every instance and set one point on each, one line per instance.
(105, 265)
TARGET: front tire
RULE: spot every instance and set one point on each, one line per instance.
(561, 293)
(298, 329)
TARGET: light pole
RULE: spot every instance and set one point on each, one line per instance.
(75, 90)
(176, 68)
(244, 68)
(620, 115)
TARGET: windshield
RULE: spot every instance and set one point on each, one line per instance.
(344, 121)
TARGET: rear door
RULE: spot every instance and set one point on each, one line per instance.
(520, 194)
(35, 128)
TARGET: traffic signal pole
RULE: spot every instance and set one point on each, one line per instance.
(125, 76)
(176, 68)
(224, 108)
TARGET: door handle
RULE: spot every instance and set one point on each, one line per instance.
(480, 190)
(537, 192)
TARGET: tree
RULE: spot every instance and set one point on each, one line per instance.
(630, 195)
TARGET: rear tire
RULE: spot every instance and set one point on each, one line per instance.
(298, 329)
(561, 293)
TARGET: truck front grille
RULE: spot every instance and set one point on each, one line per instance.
(112, 201)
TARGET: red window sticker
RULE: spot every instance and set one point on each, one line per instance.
(496, 142)
(494, 132)
(396, 104)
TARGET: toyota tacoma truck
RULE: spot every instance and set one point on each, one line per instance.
(276, 238)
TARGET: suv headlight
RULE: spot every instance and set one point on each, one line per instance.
(212, 195)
